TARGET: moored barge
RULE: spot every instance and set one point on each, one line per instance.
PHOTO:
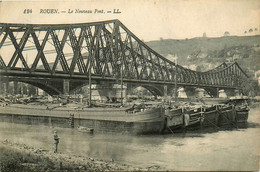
(149, 119)
(215, 116)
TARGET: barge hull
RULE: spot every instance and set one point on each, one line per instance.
(102, 126)
(242, 116)
(101, 120)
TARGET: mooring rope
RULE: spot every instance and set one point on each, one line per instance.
(230, 120)
(211, 122)
(170, 130)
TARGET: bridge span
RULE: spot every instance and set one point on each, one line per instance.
(62, 57)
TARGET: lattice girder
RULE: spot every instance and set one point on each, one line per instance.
(109, 47)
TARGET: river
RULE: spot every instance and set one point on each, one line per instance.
(236, 149)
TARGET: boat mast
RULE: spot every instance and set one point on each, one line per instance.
(121, 79)
(89, 79)
(175, 80)
(121, 73)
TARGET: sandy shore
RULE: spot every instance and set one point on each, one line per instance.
(18, 156)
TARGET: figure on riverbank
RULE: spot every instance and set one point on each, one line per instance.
(56, 141)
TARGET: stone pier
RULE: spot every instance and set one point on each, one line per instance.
(182, 93)
(238, 93)
(15, 90)
(6, 87)
(222, 94)
(199, 92)
(66, 87)
(111, 91)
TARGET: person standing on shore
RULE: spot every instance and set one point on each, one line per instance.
(56, 141)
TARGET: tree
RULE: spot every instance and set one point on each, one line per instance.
(204, 35)
(245, 32)
(250, 87)
(226, 33)
(250, 30)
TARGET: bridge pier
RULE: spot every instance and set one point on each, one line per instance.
(5, 87)
(15, 88)
(232, 92)
(199, 92)
(190, 91)
(182, 93)
(66, 87)
(111, 91)
(185, 92)
(238, 93)
(222, 94)
(105, 90)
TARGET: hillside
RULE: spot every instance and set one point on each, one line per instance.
(205, 53)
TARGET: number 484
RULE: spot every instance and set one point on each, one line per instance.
(27, 11)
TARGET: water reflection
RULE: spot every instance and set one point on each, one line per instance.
(233, 149)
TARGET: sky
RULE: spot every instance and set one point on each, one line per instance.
(147, 19)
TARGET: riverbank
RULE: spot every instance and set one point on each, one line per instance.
(16, 156)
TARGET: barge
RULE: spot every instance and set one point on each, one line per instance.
(242, 114)
(149, 119)
(216, 116)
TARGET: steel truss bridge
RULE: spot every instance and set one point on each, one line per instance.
(47, 56)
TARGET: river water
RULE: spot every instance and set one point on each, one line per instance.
(236, 149)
